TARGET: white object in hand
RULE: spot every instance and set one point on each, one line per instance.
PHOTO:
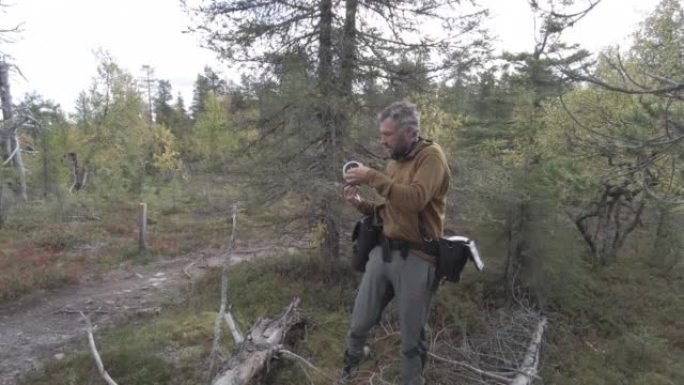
(348, 166)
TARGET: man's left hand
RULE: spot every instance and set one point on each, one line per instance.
(357, 175)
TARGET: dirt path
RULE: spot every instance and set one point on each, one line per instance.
(39, 326)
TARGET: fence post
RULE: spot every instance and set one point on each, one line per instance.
(142, 226)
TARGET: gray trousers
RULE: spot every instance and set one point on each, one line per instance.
(411, 281)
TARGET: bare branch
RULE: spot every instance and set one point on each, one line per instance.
(237, 336)
(16, 149)
(233, 327)
(94, 352)
(472, 368)
(672, 91)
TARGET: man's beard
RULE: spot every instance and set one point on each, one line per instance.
(402, 149)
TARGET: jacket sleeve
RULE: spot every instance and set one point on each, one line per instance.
(366, 207)
(429, 177)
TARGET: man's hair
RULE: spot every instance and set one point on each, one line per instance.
(403, 114)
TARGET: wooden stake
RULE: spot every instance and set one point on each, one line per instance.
(142, 226)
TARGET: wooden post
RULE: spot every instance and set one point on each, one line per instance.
(2, 208)
(142, 226)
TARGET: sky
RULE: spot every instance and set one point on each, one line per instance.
(55, 50)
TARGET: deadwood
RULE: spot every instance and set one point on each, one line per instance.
(95, 353)
(8, 133)
(264, 342)
(498, 356)
(528, 369)
(223, 314)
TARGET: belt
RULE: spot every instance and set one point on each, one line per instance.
(421, 249)
(398, 244)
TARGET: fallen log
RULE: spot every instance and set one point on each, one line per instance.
(254, 353)
(528, 370)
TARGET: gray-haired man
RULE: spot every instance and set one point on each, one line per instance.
(414, 186)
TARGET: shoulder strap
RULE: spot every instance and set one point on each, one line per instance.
(423, 231)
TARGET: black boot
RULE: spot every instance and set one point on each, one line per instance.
(351, 366)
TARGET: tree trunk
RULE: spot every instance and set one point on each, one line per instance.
(668, 242)
(325, 48)
(330, 248)
(517, 229)
(329, 118)
(79, 174)
(348, 48)
(10, 130)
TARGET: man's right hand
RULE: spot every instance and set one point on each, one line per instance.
(351, 195)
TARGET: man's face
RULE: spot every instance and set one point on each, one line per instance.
(395, 143)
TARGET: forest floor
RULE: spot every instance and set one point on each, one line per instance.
(42, 325)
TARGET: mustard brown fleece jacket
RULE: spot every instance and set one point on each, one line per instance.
(417, 184)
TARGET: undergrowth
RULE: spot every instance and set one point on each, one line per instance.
(46, 244)
(622, 336)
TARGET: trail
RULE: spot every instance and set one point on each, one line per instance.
(40, 326)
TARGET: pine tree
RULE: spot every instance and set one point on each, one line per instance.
(163, 111)
(334, 47)
(206, 83)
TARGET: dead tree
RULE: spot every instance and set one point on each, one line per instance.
(79, 174)
(252, 353)
(528, 369)
(263, 343)
(607, 223)
(8, 133)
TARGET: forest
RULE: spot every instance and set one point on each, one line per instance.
(567, 168)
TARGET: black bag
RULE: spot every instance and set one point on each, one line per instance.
(452, 253)
(453, 256)
(365, 237)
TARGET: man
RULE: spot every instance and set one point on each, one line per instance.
(414, 186)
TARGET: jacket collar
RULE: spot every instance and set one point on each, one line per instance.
(417, 147)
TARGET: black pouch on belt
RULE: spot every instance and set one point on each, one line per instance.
(452, 253)
(365, 237)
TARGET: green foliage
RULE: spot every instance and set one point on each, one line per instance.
(163, 146)
(657, 44)
(215, 139)
(163, 111)
(206, 84)
(617, 331)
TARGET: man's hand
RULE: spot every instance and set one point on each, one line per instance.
(357, 175)
(351, 195)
